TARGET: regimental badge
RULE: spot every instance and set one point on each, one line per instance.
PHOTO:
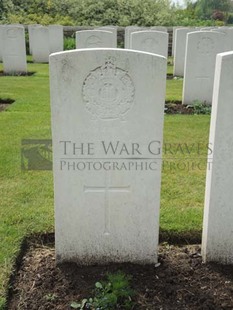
(108, 92)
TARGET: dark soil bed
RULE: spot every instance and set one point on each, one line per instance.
(4, 103)
(17, 74)
(181, 281)
(176, 107)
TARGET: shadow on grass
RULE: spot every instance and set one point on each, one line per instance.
(5, 102)
(29, 73)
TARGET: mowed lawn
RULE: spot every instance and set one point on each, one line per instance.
(26, 204)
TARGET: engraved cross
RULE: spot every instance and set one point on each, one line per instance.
(106, 190)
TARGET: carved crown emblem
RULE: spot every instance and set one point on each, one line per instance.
(108, 91)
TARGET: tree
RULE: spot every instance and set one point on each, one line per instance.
(206, 8)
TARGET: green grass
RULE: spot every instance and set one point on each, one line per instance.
(26, 204)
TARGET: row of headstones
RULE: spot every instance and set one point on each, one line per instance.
(42, 42)
(107, 129)
(152, 40)
(46, 40)
(195, 53)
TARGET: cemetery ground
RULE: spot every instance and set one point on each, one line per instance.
(26, 211)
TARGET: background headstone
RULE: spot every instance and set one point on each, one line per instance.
(95, 39)
(150, 41)
(128, 31)
(180, 47)
(111, 29)
(174, 38)
(201, 51)
(217, 238)
(159, 28)
(107, 210)
(14, 50)
(1, 41)
(31, 36)
(207, 28)
(228, 32)
(56, 41)
(40, 48)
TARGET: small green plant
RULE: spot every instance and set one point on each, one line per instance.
(115, 293)
(50, 297)
(69, 43)
(200, 107)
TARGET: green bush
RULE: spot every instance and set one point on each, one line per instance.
(104, 12)
(34, 18)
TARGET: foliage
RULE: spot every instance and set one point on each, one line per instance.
(230, 18)
(218, 15)
(115, 293)
(69, 43)
(206, 8)
(188, 18)
(5, 7)
(114, 12)
(39, 19)
(92, 13)
(122, 12)
(50, 297)
(201, 107)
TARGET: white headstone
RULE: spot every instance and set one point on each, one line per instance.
(107, 129)
(40, 48)
(179, 53)
(159, 28)
(201, 51)
(217, 238)
(14, 50)
(112, 29)
(31, 36)
(1, 41)
(95, 39)
(155, 42)
(174, 38)
(128, 31)
(228, 32)
(56, 40)
(207, 28)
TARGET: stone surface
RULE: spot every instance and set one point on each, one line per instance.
(202, 48)
(159, 28)
(95, 39)
(179, 52)
(31, 36)
(1, 41)
(217, 239)
(150, 41)
(128, 31)
(14, 50)
(107, 129)
(112, 29)
(56, 40)
(174, 38)
(228, 31)
(40, 48)
(207, 28)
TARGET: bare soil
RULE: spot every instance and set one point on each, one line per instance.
(176, 107)
(181, 281)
